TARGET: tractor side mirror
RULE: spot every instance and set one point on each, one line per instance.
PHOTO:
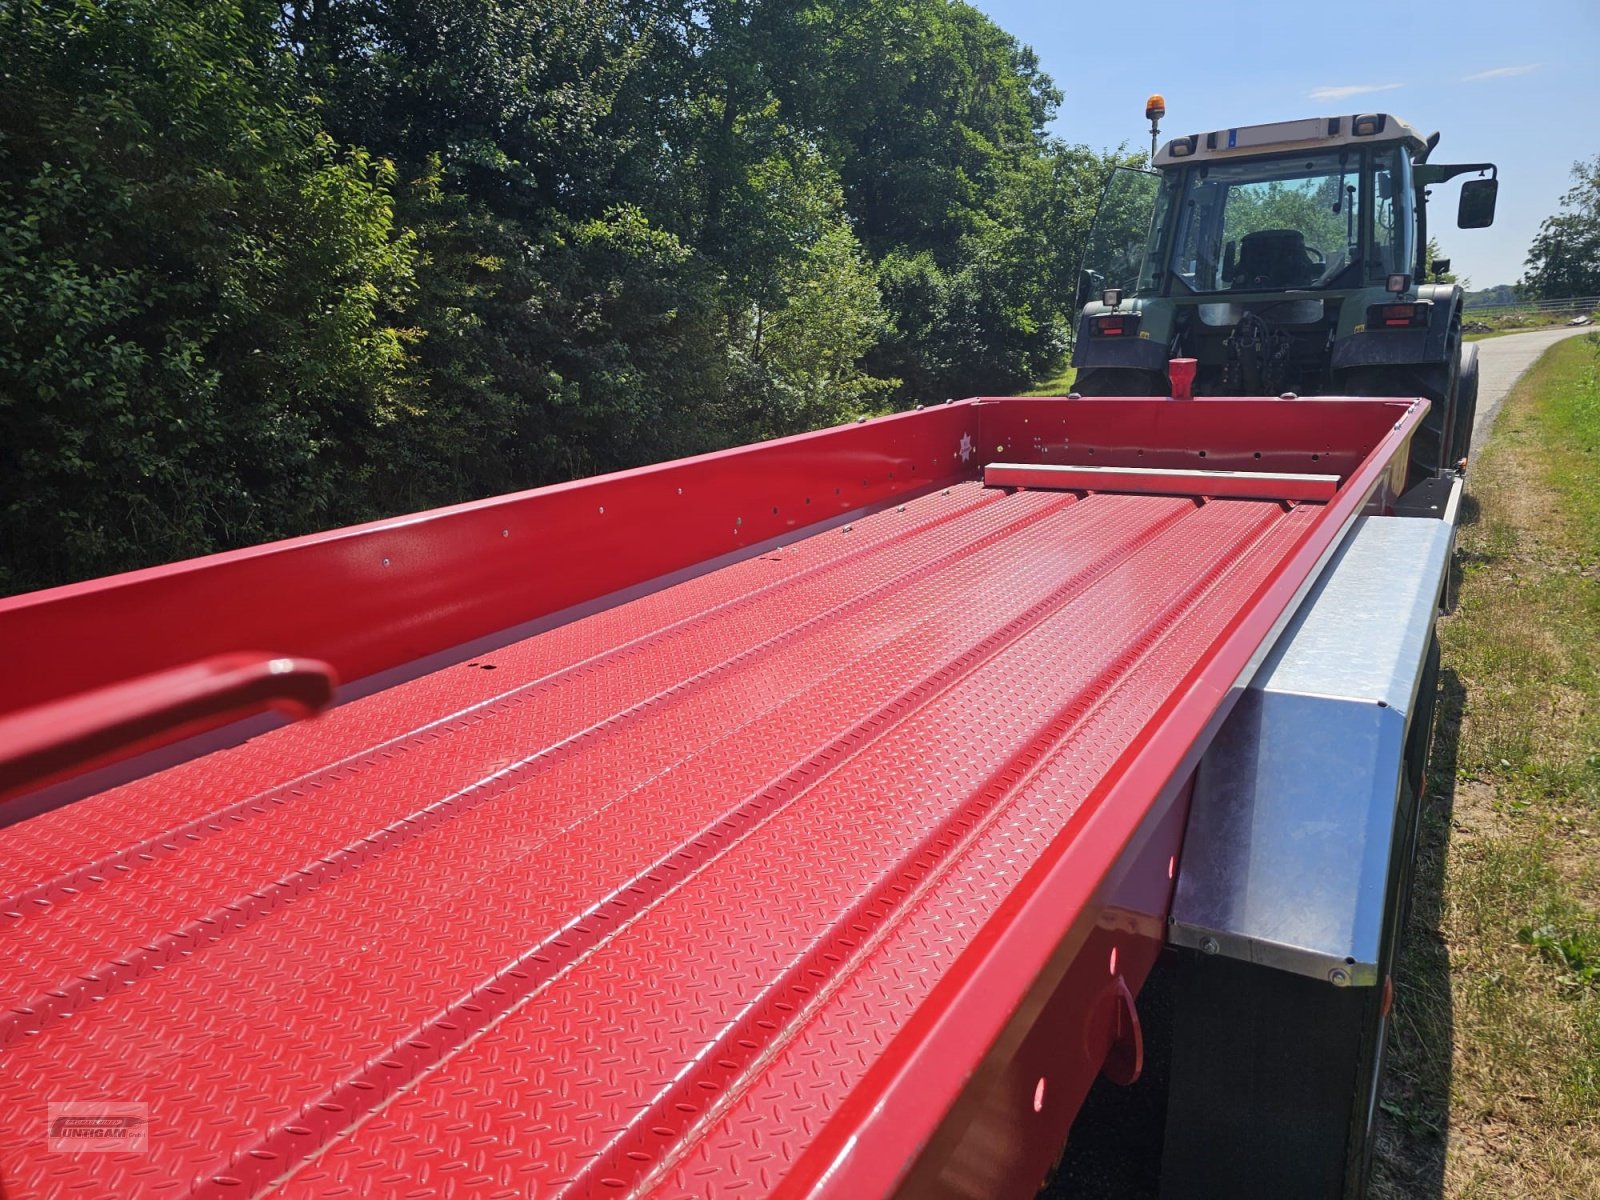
(1090, 285)
(1476, 210)
(1439, 266)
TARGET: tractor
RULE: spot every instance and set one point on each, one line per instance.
(1285, 258)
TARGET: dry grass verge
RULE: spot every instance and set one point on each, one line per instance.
(1494, 1069)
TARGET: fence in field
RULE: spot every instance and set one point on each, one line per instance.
(1572, 305)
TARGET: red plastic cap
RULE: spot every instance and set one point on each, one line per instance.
(1181, 371)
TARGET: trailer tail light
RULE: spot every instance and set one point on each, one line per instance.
(1399, 316)
(1117, 325)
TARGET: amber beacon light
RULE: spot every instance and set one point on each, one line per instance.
(1154, 109)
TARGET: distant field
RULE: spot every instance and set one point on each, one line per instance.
(1493, 1085)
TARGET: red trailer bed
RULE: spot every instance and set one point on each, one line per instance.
(780, 879)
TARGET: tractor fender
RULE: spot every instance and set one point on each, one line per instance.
(1142, 352)
(1385, 347)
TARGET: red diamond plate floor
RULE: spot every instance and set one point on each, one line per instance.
(627, 906)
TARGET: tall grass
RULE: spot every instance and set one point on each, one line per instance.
(1495, 1050)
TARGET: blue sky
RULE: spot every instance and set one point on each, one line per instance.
(1510, 83)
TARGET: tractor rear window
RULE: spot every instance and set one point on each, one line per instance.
(1262, 226)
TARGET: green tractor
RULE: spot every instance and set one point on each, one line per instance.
(1285, 258)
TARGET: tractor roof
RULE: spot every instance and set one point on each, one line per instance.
(1311, 133)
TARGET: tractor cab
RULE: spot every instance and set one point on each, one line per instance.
(1281, 257)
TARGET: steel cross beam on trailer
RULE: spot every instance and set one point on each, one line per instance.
(784, 877)
(1170, 481)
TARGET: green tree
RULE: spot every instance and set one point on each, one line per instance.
(196, 289)
(534, 346)
(268, 267)
(1564, 259)
(935, 118)
(638, 261)
(1500, 294)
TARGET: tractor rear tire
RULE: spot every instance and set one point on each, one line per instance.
(1439, 384)
(1466, 404)
(1119, 381)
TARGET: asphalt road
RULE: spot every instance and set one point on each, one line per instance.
(1501, 362)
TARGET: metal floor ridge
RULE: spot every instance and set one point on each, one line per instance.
(624, 908)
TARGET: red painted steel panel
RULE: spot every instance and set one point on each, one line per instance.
(926, 1076)
(786, 878)
(265, 771)
(1164, 481)
(374, 596)
(1320, 436)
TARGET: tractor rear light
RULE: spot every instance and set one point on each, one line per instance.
(1399, 316)
(1117, 325)
(1368, 124)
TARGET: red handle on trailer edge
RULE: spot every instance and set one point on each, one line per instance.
(67, 736)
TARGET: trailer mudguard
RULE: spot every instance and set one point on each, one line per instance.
(1295, 877)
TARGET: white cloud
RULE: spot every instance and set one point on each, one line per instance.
(1501, 72)
(1350, 89)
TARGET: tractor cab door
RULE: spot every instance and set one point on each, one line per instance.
(1123, 237)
